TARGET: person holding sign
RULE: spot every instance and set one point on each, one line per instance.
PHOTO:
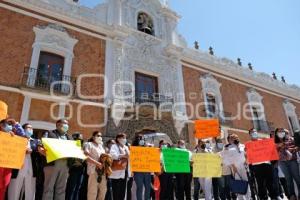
(263, 173)
(183, 180)
(203, 146)
(288, 160)
(96, 185)
(56, 172)
(142, 179)
(120, 155)
(25, 177)
(8, 126)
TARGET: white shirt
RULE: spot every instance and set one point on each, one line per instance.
(116, 151)
(94, 151)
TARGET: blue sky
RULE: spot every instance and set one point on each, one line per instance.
(263, 32)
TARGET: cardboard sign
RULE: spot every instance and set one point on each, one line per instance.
(58, 149)
(144, 159)
(207, 128)
(3, 110)
(261, 151)
(176, 161)
(12, 151)
(206, 165)
(233, 156)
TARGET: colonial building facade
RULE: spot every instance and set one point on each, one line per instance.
(123, 67)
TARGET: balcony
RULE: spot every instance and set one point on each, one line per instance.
(63, 85)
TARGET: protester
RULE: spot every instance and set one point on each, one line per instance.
(108, 195)
(183, 180)
(120, 155)
(165, 179)
(263, 173)
(76, 173)
(11, 127)
(25, 177)
(56, 172)
(96, 184)
(203, 146)
(288, 160)
(239, 167)
(221, 188)
(142, 179)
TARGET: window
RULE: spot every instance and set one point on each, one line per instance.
(50, 69)
(211, 105)
(256, 119)
(290, 111)
(145, 23)
(146, 87)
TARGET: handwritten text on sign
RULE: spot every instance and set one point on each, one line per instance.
(206, 165)
(207, 128)
(176, 161)
(12, 151)
(261, 151)
(144, 159)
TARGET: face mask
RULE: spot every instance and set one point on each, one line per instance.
(236, 142)
(29, 132)
(220, 145)
(203, 146)
(122, 141)
(65, 128)
(281, 135)
(141, 142)
(8, 128)
(164, 146)
(98, 140)
(182, 146)
(254, 135)
(207, 145)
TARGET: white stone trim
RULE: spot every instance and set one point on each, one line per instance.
(290, 111)
(211, 86)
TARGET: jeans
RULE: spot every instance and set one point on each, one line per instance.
(196, 188)
(74, 183)
(221, 188)
(119, 188)
(166, 186)
(290, 170)
(142, 180)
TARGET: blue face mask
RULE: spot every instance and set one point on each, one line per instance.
(65, 128)
(29, 132)
(8, 128)
(254, 135)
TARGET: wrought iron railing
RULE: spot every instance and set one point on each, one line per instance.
(32, 79)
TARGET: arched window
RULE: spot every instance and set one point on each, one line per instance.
(145, 23)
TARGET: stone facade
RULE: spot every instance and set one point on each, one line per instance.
(103, 50)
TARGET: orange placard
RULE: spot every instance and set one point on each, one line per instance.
(12, 151)
(207, 128)
(144, 159)
(261, 151)
(3, 110)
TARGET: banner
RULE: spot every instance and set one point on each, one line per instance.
(176, 160)
(12, 151)
(144, 159)
(207, 128)
(206, 165)
(3, 110)
(57, 149)
(261, 151)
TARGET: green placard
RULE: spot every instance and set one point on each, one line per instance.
(176, 161)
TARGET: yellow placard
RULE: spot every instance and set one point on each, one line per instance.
(58, 149)
(3, 110)
(144, 159)
(12, 151)
(206, 165)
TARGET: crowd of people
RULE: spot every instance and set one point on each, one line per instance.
(106, 174)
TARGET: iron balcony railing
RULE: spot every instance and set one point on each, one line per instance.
(32, 79)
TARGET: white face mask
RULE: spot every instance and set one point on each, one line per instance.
(122, 141)
(207, 145)
(182, 146)
(220, 145)
(98, 140)
(254, 135)
(164, 146)
(281, 135)
(142, 142)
